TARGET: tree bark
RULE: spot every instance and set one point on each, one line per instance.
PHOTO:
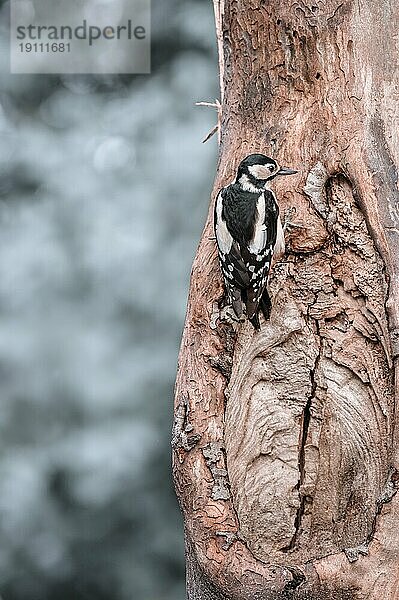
(285, 440)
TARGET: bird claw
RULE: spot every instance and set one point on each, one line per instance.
(228, 315)
(224, 315)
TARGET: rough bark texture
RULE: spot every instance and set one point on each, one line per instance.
(285, 447)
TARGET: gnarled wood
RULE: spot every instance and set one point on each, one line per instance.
(288, 485)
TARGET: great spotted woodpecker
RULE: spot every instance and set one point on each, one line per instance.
(248, 233)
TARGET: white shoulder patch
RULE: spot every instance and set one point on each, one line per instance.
(260, 235)
(223, 237)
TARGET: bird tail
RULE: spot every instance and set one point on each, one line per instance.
(253, 305)
(265, 304)
(255, 321)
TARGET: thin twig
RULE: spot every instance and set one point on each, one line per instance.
(218, 107)
(210, 134)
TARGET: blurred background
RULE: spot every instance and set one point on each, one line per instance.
(104, 188)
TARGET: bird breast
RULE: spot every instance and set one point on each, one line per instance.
(279, 248)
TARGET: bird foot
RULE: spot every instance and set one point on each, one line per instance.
(224, 315)
(228, 315)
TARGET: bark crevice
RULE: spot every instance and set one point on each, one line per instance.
(303, 496)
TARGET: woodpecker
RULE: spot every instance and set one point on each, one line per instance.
(249, 232)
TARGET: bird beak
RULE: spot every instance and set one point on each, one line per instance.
(286, 171)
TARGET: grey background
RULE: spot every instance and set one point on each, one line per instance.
(104, 187)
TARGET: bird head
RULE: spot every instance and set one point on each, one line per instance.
(256, 170)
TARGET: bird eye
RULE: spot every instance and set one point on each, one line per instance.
(271, 168)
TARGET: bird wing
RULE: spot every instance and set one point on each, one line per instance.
(233, 266)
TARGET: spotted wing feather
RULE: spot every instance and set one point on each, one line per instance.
(233, 268)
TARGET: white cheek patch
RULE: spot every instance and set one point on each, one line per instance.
(261, 171)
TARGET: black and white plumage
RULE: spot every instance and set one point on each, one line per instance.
(248, 233)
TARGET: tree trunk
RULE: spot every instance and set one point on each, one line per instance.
(285, 448)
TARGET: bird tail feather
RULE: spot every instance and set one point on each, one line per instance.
(265, 304)
(253, 305)
(255, 321)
